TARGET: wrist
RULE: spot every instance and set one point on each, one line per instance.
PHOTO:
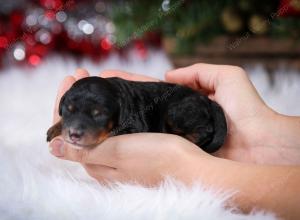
(275, 139)
(270, 188)
(288, 129)
(285, 137)
(204, 168)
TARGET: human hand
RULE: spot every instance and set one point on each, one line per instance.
(255, 132)
(135, 157)
(144, 158)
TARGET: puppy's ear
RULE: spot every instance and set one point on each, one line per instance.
(54, 131)
(220, 127)
(60, 104)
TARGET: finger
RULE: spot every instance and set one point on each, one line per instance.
(200, 76)
(107, 153)
(81, 73)
(103, 174)
(64, 86)
(100, 155)
(127, 76)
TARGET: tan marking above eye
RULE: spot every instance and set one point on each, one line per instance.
(110, 125)
(71, 107)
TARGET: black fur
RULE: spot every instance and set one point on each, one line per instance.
(132, 107)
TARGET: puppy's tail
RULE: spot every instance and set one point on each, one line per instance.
(220, 127)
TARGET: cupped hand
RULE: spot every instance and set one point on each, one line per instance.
(249, 121)
(144, 158)
(248, 117)
(255, 132)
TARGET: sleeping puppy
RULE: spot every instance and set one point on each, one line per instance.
(96, 108)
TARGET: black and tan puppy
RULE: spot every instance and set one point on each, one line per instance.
(96, 108)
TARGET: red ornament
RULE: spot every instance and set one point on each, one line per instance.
(288, 8)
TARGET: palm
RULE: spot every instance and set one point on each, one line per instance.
(243, 119)
(246, 115)
(248, 118)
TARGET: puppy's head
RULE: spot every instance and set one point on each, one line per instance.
(88, 110)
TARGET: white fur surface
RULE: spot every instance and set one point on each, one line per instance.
(283, 94)
(36, 185)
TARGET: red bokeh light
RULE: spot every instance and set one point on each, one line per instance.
(52, 4)
(50, 15)
(141, 49)
(105, 44)
(34, 60)
(3, 42)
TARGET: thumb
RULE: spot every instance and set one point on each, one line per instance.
(102, 154)
(63, 150)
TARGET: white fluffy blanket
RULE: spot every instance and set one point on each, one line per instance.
(35, 185)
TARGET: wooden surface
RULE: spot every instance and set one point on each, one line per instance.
(243, 51)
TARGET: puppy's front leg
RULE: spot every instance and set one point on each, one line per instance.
(54, 131)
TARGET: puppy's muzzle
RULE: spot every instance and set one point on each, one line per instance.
(75, 134)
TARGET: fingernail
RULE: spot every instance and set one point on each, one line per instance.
(56, 148)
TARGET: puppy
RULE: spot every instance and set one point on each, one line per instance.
(96, 108)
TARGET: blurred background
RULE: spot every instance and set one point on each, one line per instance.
(234, 32)
(54, 37)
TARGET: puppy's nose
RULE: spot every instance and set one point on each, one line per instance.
(75, 134)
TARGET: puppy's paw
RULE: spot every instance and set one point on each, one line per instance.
(54, 131)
